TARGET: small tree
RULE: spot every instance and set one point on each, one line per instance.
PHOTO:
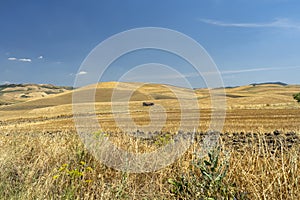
(297, 97)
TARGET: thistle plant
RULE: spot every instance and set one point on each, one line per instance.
(206, 179)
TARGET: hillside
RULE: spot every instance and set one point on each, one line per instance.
(103, 93)
(34, 96)
(268, 83)
(265, 106)
(15, 93)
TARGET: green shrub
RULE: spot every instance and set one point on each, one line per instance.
(205, 180)
(297, 97)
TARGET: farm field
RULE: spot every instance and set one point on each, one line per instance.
(248, 108)
(42, 157)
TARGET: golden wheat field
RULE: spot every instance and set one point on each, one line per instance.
(42, 156)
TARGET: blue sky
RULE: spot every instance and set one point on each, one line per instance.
(249, 40)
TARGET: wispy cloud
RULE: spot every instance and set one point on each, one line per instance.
(277, 23)
(82, 73)
(163, 76)
(11, 58)
(24, 60)
(19, 59)
(258, 69)
(40, 57)
(228, 72)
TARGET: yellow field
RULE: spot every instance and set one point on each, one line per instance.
(40, 147)
(260, 108)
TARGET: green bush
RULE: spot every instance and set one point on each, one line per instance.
(206, 180)
(297, 97)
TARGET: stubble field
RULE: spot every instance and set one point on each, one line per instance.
(42, 156)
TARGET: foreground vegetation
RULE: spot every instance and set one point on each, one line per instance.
(297, 97)
(55, 165)
(42, 157)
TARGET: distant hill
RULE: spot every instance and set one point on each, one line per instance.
(268, 83)
(39, 96)
(14, 93)
(104, 92)
(29, 85)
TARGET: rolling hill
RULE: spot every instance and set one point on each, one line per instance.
(33, 96)
(103, 93)
(267, 106)
(15, 93)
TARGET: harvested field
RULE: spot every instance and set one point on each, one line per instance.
(42, 156)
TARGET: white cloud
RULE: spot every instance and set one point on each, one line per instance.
(19, 59)
(229, 72)
(164, 76)
(40, 57)
(258, 69)
(24, 59)
(82, 73)
(277, 23)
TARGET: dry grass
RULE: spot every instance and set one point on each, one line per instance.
(42, 157)
(56, 166)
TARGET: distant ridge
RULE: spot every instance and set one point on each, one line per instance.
(252, 84)
(266, 83)
(38, 96)
(48, 86)
(14, 93)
